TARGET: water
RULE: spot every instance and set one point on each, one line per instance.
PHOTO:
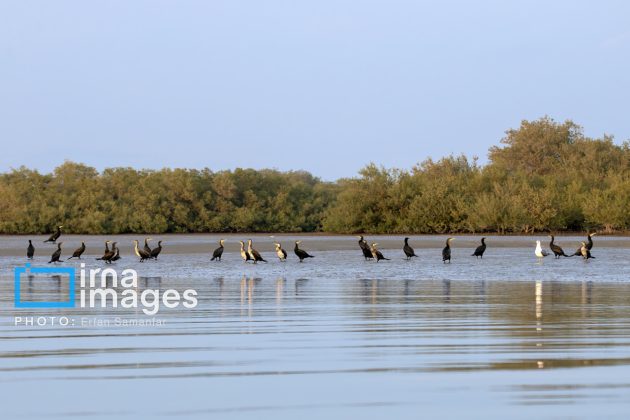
(506, 336)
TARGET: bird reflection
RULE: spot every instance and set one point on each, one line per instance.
(280, 289)
(299, 283)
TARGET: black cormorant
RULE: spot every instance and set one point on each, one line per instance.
(408, 250)
(30, 250)
(376, 254)
(281, 253)
(480, 249)
(147, 248)
(301, 254)
(156, 251)
(244, 254)
(53, 238)
(55, 256)
(446, 252)
(141, 253)
(365, 248)
(107, 252)
(557, 251)
(78, 252)
(216, 255)
(253, 254)
(116, 256)
(585, 252)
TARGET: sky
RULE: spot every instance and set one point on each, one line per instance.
(323, 86)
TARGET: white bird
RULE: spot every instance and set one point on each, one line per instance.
(540, 253)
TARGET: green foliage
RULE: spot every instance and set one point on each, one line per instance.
(545, 176)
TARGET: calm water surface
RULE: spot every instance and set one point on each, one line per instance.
(502, 337)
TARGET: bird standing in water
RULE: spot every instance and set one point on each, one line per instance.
(556, 249)
(56, 255)
(216, 255)
(446, 252)
(147, 248)
(141, 253)
(78, 252)
(107, 254)
(585, 252)
(156, 251)
(281, 253)
(589, 244)
(253, 254)
(30, 250)
(539, 252)
(408, 250)
(301, 254)
(376, 254)
(53, 238)
(480, 249)
(244, 254)
(365, 248)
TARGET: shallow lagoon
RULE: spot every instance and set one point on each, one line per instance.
(335, 336)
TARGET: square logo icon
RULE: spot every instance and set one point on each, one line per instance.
(27, 269)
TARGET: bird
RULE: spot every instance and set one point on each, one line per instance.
(78, 252)
(557, 251)
(141, 253)
(116, 256)
(365, 248)
(480, 249)
(30, 251)
(112, 253)
(53, 238)
(253, 254)
(55, 256)
(585, 252)
(216, 255)
(147, 248)
(408, 250)
(589, 244)
(539, 252)
(107, 252)
(244, 254)
(301, 254)
(376, 254)
(281, 253)
(156, 251)
(446, 252)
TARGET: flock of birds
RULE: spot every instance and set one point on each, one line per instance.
(109, 256)
(370, 252)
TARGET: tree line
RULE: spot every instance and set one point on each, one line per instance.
(545, 175)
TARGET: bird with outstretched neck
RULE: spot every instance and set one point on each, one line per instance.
(556, 249)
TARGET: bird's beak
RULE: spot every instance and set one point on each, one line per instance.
(594, 233)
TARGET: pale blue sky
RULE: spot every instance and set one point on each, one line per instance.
(326, 86)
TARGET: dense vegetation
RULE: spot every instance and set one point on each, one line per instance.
(545, 176)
